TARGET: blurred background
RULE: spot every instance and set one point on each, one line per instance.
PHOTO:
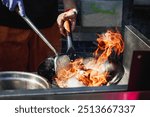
(96, 16)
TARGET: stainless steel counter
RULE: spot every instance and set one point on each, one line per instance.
(86, 93)
(67, 94)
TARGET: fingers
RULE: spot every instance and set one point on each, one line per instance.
(69, 15)
(60, 22)
(21, 8)
(11, 5)
(5, 2)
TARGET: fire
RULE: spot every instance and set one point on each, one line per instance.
(92, 71)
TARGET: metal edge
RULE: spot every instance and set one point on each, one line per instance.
(61, 91)
(27, 73)
(139, 35)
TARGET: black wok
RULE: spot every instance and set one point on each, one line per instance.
(46, 68)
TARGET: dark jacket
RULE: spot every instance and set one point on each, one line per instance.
(43, 13)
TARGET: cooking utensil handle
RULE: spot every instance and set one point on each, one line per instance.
(28, 21)
(69, 35)
(69, 41)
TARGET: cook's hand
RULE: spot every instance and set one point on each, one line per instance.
(68, 15)
(12, 4)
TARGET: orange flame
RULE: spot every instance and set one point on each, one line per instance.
(93, 72)
(107, 43)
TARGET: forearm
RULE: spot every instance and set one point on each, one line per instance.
(69, 4)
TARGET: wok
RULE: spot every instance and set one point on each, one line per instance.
(46, 68)
(13, 80)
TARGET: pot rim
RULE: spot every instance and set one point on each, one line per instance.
(46, 83)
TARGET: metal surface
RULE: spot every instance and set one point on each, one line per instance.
(13, 80)
(47, 95)
(65, 93)
(62, 62)
(134, 41)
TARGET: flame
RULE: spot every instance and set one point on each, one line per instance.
(108, 42)
(93, 71)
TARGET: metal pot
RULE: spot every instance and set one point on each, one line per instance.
(13, 80)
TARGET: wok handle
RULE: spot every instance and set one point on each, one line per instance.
(28, 21)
